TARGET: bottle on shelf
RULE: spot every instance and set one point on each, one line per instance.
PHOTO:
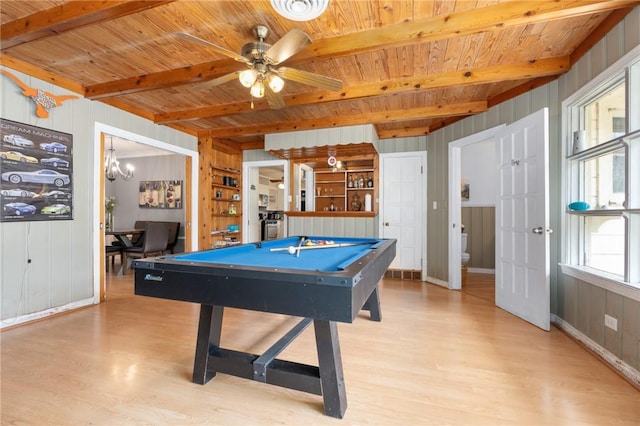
(350, 183)
(356, 204)
(370, 181)
(361, 182)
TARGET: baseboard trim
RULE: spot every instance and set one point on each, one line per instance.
(625, 370)
(437, 282)
(11, 322)
(482, 271)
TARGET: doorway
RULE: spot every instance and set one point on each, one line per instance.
(403, 198)
(455, 199)
(190, 195)
(265, 196)
(522, 217)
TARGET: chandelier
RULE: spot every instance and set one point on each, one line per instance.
(112, 165)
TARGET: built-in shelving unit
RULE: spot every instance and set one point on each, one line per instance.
(226, 207)
(220, 195)
(345, 190)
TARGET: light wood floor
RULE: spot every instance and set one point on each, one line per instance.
(437, 357)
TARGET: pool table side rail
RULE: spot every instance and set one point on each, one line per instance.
(335, 296)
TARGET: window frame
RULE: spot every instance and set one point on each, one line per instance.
(572, 238)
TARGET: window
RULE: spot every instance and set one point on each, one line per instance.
(602, 169)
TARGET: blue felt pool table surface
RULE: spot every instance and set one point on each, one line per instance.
(330, 259)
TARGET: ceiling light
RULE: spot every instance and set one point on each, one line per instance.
(300, 10)
(112, 165)
(248, 77)
(257, 90)
(275, 83)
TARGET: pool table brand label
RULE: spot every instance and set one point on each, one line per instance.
(150, 277)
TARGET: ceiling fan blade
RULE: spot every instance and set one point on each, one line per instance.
(274, 99)
(310, 78)
(215, 47)
(218, 81)
(290, 44)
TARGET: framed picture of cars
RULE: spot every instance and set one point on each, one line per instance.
(36, 167)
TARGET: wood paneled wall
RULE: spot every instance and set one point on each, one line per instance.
(576, 302)
(334, 226)
(60, 274)
(480, 226)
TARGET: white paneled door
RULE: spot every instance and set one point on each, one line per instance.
(522, 220)
(403, 209)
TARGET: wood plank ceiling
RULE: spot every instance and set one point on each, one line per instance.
(408, 67)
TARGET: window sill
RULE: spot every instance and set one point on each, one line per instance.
(603, 280)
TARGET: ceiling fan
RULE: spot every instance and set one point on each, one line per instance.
(261, 58)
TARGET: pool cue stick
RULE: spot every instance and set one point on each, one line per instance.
(300, 244)
(319, 246)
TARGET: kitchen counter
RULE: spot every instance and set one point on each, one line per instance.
(331, 214)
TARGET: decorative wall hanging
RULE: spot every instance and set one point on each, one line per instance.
(36, 166)
(44, 101)
(464, 191)
(160, 194)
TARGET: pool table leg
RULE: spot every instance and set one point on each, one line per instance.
(373, 305)
(209, 331)
(330, 363)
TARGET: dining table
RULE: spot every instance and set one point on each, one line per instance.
(125, 237)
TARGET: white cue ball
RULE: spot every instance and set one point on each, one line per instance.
(292, 250)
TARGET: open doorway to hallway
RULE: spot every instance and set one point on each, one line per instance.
(265, 198)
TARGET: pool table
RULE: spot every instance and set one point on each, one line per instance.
(326, 282)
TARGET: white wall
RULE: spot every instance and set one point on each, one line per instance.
(127, 211)
(60, 274)
(479, 170)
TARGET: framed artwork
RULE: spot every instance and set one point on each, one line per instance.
(36, 166)
(160, 194)
(464, 191)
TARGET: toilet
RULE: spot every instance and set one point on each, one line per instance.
(464, 257)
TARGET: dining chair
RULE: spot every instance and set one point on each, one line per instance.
(136, 239)
(112, 252)
(156, 237)
(174, 231)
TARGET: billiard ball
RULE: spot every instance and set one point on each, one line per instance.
(292, 250)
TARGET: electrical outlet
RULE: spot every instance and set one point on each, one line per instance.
(610, 322)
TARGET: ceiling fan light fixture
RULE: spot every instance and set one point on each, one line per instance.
(257, 90)
(275, 83)
(300, 10)
(248, 77)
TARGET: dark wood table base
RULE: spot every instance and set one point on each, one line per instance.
(326, 379)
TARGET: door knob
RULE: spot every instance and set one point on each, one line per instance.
(386, 224)
(540, 230)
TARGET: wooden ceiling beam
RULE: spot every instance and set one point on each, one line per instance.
(457, 24)
(34, 71)
(485, 75)
(605, 26)
(67, 17)
(405, 132)
(438, 27)
(351, 120)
